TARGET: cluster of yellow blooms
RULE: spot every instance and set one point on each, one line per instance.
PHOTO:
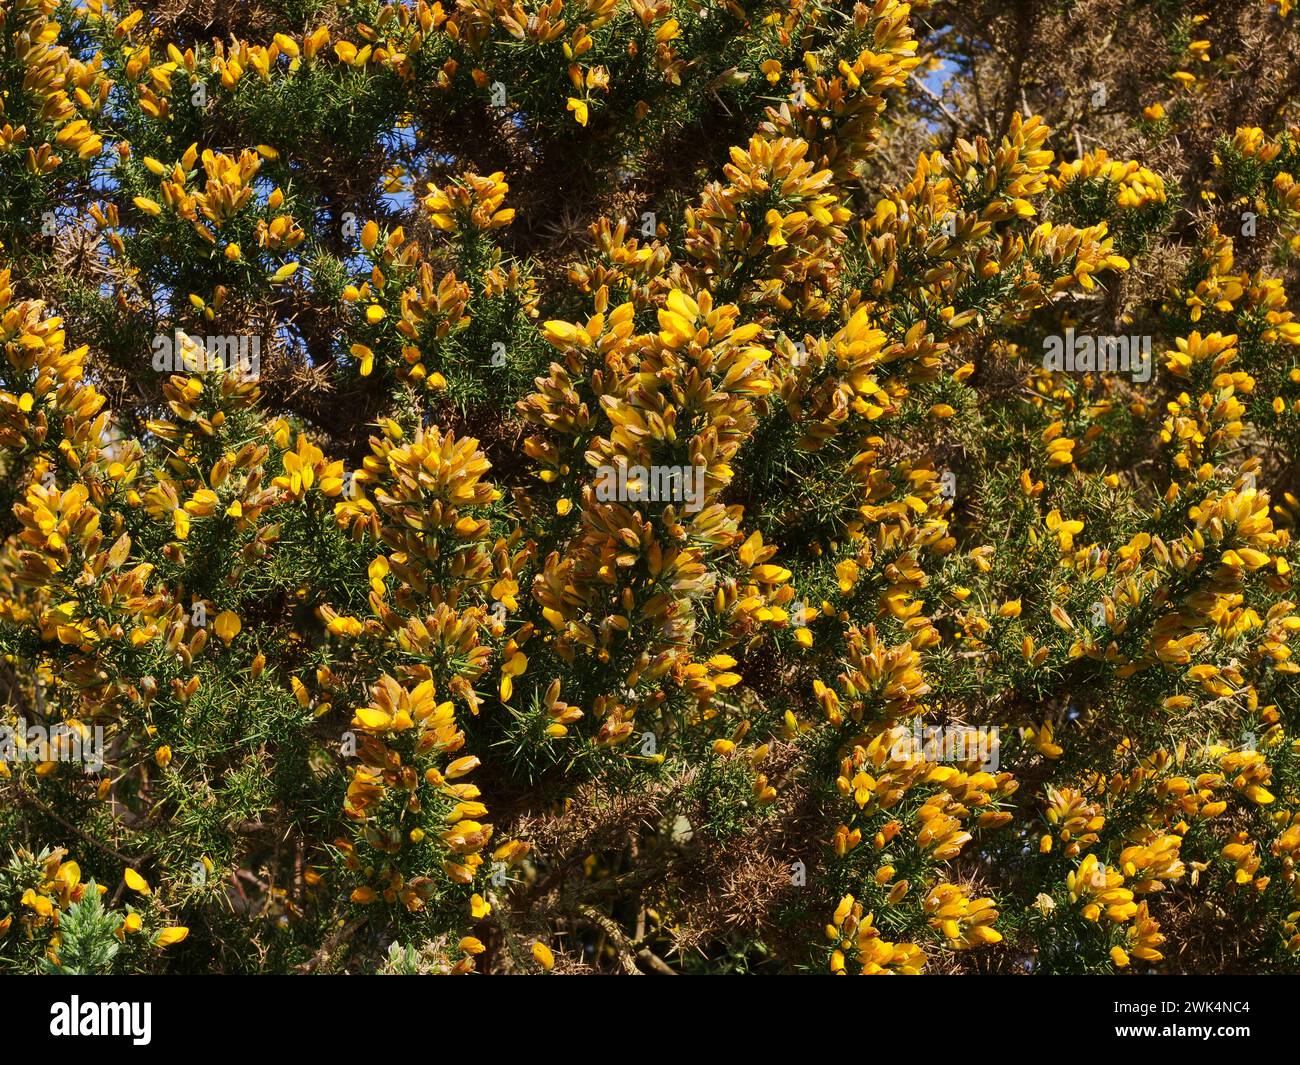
(392, 608)
(1135, 185)
(58, 887)
(66, 89)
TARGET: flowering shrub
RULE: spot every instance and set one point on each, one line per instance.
(665, 485)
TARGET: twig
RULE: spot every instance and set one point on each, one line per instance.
(930, 95)
(346, 931)
(655, 962)
(629, 952)
(27, 797)
(626, 954)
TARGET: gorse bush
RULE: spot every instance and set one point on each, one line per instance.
(649, 485)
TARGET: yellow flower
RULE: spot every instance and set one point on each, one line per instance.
(137, 883)
(171, 935)
(227, 626)
(847, 572)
